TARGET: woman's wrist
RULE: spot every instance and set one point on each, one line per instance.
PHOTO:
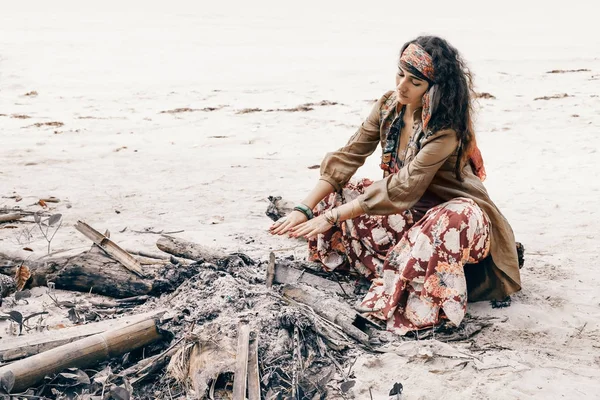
(347, 211)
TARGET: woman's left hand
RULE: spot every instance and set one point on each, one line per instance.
(311, 228)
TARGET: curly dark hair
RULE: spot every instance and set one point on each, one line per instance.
(452, 102)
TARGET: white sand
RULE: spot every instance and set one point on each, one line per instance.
(209, 172)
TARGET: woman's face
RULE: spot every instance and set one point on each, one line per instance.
(409, 88)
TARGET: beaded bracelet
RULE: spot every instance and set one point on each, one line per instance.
(304, 209)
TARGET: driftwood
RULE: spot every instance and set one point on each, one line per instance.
(241, 362)
(26, 346)
(284, 274)
(10, 217)
(110, 247)
(79, 354)
(89, 271)
(191, 251)
(327, 307)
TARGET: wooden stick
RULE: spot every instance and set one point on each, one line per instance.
(148, 254)
(111, 248)
(25, 346)
(79, 354)
(241, 362)
(126, 302)
(270, 270)
(10, 217)
(253, 371)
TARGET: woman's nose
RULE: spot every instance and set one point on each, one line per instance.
(402, 81)
(401, 84)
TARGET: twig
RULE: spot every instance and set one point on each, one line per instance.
(340, 284)
(352, 365)
(161, 232)
(338, 366)
(577, 334)
(495, 367)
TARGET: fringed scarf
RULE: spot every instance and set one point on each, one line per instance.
(416, 57)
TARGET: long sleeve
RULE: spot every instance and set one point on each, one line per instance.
(339, 166)
(400, 191)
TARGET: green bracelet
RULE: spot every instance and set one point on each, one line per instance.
(304, 210)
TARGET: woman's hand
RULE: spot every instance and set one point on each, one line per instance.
(311, 228)
(293, 219)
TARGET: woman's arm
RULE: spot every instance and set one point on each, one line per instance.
(319, 192)
(393, 194)
(339, 166)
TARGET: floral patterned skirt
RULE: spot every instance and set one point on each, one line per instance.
(415, 267)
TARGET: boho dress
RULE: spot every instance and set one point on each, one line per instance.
(415, 254)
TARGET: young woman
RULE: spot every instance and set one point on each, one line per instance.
(427, 235)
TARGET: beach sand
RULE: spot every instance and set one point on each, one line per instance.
(119, 158)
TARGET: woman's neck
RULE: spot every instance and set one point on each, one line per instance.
(410, 109)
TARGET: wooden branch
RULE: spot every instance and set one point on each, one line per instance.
(191, 251)
(82, 353)
(253, 371)
(10, 217)
(241, 362)
(327, 307)
(148, 254)
(110, 247)
(29, 345)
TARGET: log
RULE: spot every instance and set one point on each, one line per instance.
(327, 307)
(10, 217)
(285, 274)
(82, 353)
(29, 345)
(240, 376)
(126, 259)
(253, 371)
(89, 271)
(191, 251)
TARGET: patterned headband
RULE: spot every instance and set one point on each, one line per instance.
(415, 56)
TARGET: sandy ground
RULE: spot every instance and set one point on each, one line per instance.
(120, 163)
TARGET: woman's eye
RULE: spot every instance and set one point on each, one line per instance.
(416, 84)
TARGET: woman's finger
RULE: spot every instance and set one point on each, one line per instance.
(299, 226)
(301, 230)
(313, 233)
(281, 228)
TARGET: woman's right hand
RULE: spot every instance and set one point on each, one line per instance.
(283, 225)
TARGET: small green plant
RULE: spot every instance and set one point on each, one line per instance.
(48, 226)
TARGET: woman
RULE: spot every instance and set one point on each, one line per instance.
(427, 235)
